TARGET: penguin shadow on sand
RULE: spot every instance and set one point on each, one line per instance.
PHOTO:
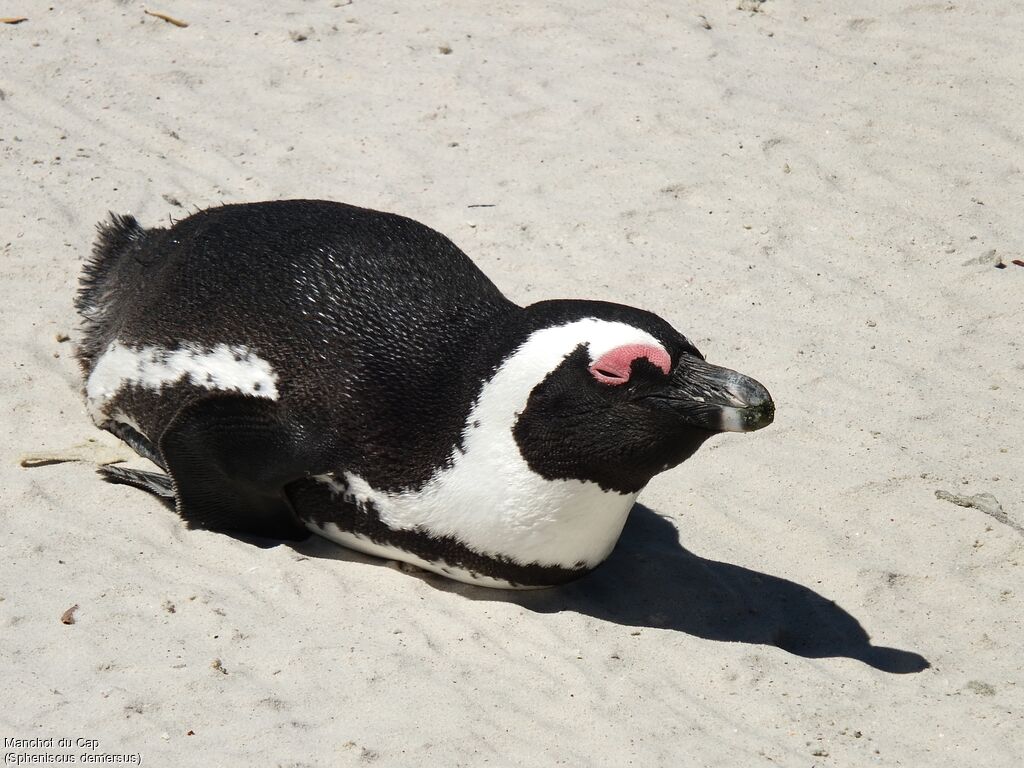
(652, 581)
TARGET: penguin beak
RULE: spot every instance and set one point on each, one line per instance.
(718, 399)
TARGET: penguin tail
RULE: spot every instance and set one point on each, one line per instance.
(103, 281)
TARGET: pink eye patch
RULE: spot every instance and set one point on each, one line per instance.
(614, 367)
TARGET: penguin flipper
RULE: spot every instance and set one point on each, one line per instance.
(137, 442)
(156, 483)
(230, 457)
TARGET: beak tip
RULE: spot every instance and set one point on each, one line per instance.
(762, 415)
(756, 412)
(748, 419)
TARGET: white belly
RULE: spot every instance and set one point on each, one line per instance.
(368, 547)
(517, 516)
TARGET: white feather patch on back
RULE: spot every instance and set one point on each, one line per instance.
(489, 498)
(223, 367)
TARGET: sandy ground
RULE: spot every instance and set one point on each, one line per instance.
(817, 193)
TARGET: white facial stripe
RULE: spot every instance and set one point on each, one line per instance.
(231, 368)
(602, 336)
(489, 498)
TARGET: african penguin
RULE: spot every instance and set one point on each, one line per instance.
(303, 365)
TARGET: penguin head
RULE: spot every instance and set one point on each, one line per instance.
(619, 395)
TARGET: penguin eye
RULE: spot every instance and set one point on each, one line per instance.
(608, 377)
(615, 367)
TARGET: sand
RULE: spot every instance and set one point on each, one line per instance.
(818, 194)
